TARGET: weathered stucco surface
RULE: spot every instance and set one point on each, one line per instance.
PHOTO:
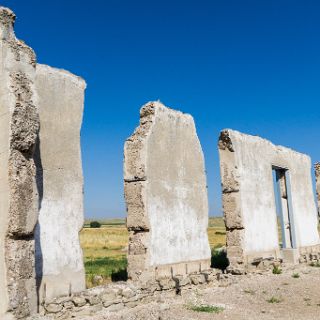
(59, 260)
(317, 174)
(249, 199)
(19, 123)
(166, 195)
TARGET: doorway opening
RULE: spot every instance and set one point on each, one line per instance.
(282, 191)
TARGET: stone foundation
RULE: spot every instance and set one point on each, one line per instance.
(117, 296)
(309, 254)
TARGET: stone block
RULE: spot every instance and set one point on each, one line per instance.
(167, 283)
(232, 210)
(138, 243)
(235, 238)
(79, 301)
(135, 200)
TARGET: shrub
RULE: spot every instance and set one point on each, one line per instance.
(219, 259)
(296, 275)
(95, 224)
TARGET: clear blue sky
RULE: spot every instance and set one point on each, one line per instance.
(253, 66)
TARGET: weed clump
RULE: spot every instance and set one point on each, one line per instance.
(315, 264)
(276, 270)
(274, 300)
(249, 291)
(206, 308)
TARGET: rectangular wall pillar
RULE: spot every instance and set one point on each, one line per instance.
(166, 196)
(59, 258)
(19, 124)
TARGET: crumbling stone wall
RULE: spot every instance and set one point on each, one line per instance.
(38, 173)
(59, 258)
(125, 295)
(166, 196)
(249, 201)
(18, 191)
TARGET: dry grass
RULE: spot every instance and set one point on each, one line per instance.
(216, 232)
(108, 241)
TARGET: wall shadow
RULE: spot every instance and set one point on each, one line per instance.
(38, 249)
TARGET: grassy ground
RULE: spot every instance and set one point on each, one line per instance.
(105, 248)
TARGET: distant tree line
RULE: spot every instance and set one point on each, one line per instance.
(95, 224)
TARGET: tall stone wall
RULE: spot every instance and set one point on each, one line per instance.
(19, 123)
(59, 258)
(166, 196)
(249, 205)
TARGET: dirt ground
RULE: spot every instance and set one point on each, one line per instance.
(256, 296)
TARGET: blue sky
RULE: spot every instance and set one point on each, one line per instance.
(253, 66)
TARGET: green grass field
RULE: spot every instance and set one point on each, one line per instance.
(105, 248)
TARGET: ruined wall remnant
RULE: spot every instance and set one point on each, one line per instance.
(59, 259)
(166, 196)
(19, 123)
(249, 206)
(40, 175)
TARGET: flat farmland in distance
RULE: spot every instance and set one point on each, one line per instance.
(105, 248)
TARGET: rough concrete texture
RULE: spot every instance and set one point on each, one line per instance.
(317, 174)
(249, 199)
(19, 123)
(59, 259)
(166, 196)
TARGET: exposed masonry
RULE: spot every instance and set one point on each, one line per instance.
(249, 205)
(30, 179)
(231, 203)
(166, 196)
(117, 296)
(23, 208)
(18, 215)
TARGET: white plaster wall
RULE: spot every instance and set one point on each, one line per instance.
(177, 202)
(303, 201)
(58, 253)
(255, 157)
